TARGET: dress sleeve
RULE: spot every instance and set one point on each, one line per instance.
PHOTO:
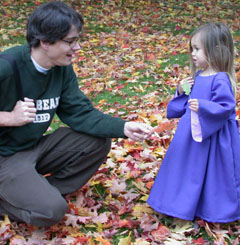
(213, 114)
(177, 106)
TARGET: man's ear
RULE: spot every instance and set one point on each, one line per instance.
(44, 45)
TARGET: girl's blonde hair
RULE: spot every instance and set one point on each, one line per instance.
(218, 47)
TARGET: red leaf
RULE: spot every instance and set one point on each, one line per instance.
(199, 241)
(178, 28)
(149, 184)
(145, 29)
(161, 233)
(149, 57)
(125, 223)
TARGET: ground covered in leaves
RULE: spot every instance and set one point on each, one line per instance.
(133, 54)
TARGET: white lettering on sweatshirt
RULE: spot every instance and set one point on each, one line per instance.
(45, 105)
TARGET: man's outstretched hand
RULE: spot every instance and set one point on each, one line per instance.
(137, 131)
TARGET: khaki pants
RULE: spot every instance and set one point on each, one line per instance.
(71, 158)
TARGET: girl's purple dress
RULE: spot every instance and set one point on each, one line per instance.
(202, 179)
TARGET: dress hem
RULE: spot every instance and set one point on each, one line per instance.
(162, 211)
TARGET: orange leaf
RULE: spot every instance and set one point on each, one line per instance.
(149, 184)
(238, 113)
(103, 241)
(165, 126)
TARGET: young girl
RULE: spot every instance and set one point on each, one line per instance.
(200, 174)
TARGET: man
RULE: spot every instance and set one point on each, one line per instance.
(71, 154)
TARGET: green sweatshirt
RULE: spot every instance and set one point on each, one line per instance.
(54, 92)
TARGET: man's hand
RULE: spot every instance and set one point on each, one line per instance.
(23, 113)
(137, 131)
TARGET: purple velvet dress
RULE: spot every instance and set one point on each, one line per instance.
(202, 179)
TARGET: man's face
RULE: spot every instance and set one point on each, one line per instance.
(61, 52)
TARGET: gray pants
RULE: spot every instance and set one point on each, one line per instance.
(71, 158)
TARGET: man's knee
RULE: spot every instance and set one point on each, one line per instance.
(49, 212)
(97, 146)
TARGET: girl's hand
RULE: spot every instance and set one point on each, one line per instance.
(188, 80)
(194, 105)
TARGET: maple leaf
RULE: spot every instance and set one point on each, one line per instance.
(102, 218)
(102, 241)
(127, 240)
(75, 220)
(140, 209)
(199, 241)
(186, 88)
(156, 117)
(148, 223)
(141, 186)
(18, 240)
(130, 195)
(169, 125)
(116, 186)
(110, 233)
(5, 229)
(148, 176)
(126, 223)
(141, 241)
(161, 233)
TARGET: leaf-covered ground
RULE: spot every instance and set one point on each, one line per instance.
(133, 53)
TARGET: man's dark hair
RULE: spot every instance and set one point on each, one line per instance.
(52, 22)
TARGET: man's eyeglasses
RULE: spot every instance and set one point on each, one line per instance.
(71, 43)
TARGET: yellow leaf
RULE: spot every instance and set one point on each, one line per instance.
(140, 209)
(126, 240)
(5, 222)
(95, 40)
(182, 226)
(144, 198)
(94, 182)
(159, 151)
(156, 117)
(99, 226)
(141, 186)
(108, 183)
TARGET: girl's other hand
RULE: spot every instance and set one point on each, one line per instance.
(194, 105)
(188, 80)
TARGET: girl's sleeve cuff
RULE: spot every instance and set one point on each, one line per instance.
(196, 127)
